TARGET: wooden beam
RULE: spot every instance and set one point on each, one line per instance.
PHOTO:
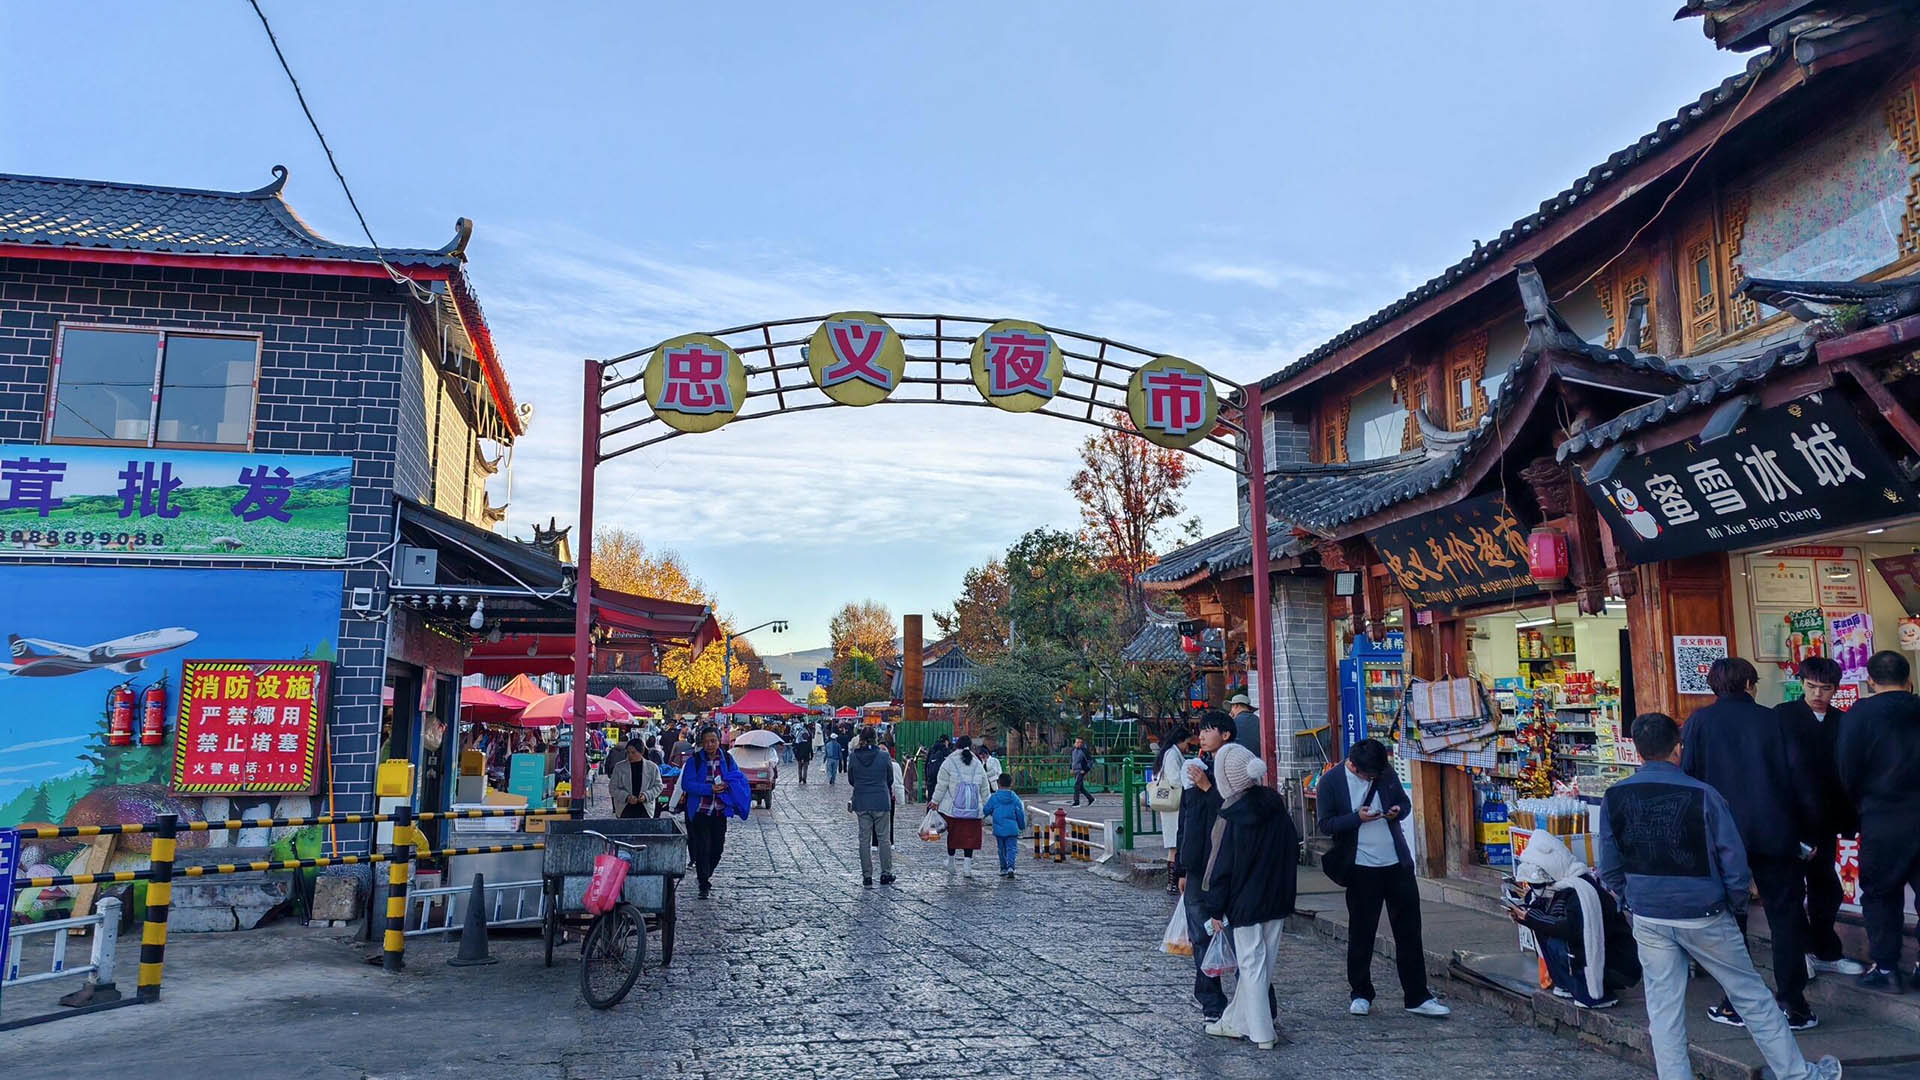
(1810, 380)
(1872, 339)
(1774, 83)
(1877, 392)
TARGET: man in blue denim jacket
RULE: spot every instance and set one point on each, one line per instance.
(1670, 850)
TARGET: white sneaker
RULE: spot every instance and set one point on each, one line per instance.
(1559, 993)
(1359, 1007)
(966, 862)
(1842, 966)
(1220, 1028)
(1431, 1007)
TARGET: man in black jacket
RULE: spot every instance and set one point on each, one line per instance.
(1880, 766)
(1199, 805)
(1248, 889)
(1741, 749)
(1813, 724)
(1362, 804)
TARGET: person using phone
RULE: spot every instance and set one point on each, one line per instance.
(1361, 806)
(716, 790)
(1582, 935)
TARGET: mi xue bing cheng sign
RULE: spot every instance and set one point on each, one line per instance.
(1804, 467)
(1471, 552)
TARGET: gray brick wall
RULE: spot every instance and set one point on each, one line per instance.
(1300, 646)
(332, 381)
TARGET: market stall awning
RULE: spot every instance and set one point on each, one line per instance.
(763, 703)
(663, 621)
(623, 622)
(521, 689)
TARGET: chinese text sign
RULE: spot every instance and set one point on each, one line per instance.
(1470, 552)
(249, 727)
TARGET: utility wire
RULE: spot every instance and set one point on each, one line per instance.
(420, 294)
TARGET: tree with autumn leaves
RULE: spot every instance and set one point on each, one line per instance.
(621, 560)
(1129, 493)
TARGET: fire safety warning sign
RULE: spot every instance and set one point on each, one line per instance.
(250, 727)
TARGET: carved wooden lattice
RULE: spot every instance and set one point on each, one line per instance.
(1466, 361)
(1744, 311)
(1903, 121)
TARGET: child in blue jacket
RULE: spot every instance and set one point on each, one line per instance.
(1009, 817)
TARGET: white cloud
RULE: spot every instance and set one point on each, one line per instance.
(1261, 275)
(41, 743)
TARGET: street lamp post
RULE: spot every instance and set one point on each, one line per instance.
(726, 675)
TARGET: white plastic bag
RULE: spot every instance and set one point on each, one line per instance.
(933, 826)
(1219, 959)
(1175, 940)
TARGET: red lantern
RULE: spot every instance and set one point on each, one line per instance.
(120, 716)
(153, 720)
(1547, 556)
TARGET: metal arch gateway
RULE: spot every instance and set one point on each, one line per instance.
(698, 383)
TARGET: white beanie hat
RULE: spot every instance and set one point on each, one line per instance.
(1236, 769)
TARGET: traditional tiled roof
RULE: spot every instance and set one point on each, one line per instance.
(943, 679)
(1160, 642)
(1198, 556)
(54, 212)
(1696, 396)
(1613, 170)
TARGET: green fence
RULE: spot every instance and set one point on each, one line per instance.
(910, 737)
(1048, 774)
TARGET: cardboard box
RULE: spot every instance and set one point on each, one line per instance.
(1494, 832)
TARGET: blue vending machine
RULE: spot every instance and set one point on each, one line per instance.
(1372, 685)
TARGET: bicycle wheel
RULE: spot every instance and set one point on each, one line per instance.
(611, 958)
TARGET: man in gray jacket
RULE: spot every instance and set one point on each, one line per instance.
(870, 774)
(1670, 849)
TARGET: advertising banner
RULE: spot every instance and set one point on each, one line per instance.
(89, 500)
(1472, 551)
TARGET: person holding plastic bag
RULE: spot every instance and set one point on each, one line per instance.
(1199, 806)
(713, 789)
(960, 795)
(1249, 883)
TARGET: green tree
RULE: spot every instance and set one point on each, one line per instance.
(38, 811)
(1013, 696)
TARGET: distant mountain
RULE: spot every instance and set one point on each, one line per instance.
(788, 666)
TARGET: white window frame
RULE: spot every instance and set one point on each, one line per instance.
(152, 441)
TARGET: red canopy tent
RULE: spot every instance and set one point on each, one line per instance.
(763, 703)
(477, 703)
(619, 697)
(847, 712)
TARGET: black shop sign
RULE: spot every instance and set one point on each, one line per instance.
(1805, 467)
(1471, 552)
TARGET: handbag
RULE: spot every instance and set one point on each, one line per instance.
(1164, 794)
(1337, 863)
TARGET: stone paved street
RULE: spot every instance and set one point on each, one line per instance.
(793, 971)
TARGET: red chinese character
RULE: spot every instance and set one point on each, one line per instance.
(1017, 363)
(856, 345)
(695, 382)
(1176, 400)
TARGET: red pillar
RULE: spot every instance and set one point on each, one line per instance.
(583, 585)
(1261, 624)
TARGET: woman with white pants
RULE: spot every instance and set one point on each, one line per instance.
(1249, 885)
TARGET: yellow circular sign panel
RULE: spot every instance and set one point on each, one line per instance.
(695, 383)
(1172, 402)
(1017, 365)
(856, 358)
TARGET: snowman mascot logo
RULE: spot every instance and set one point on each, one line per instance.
(1632, 511)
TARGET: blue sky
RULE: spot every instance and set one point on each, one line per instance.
(1231, 182)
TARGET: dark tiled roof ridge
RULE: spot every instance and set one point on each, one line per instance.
(265, 191)
(1612, 169)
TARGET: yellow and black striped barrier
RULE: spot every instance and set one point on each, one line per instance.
(153, 933)
(132, 828)
(491, 812)
(483, 849)
(399, 870)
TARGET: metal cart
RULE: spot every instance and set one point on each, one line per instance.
(652, 880)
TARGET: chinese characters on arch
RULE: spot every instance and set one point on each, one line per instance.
(1471, 552)
(249, 727)
(696, 383)
(76, 500)
(1804, 467)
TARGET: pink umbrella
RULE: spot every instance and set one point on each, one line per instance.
(558, 709)
(619, 697)
(489, 706)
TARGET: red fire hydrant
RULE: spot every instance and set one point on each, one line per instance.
(1059, 835)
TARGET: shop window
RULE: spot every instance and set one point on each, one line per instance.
(153, 387)
(1617, 288)
(1333, 434)
(1700, 282)
(1410, 388)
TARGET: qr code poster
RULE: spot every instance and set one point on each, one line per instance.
(1693, 654)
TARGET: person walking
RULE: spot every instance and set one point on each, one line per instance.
(1199, 807)
(1362, 806)
(682, 746)
(870, 775)
(802, 749)
(633, 785)
(959, 794)
(836, 756)
(1080, 763)
(1670, 848)
(1582, 935)
(1246, 722)
(936, 756)
(1741, 749)
(716, 790)
(1009, 817)
(1813, 724)
(1248, 888)
(1880, 768)
(1172, 763)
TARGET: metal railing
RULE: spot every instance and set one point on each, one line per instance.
(453, 915)
(104, 924)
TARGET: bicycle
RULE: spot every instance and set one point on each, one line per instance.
(615, 950)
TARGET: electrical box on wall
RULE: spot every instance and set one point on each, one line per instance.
(416, 566)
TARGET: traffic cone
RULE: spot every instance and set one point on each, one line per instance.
(473, 932)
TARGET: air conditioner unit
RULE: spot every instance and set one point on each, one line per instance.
(417, 566)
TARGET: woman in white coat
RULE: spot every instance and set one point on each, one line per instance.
(959, 794)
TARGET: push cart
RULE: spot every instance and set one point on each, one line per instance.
(657, 852)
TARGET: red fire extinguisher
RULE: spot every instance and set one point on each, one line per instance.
(120, 716)
(153, 720)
